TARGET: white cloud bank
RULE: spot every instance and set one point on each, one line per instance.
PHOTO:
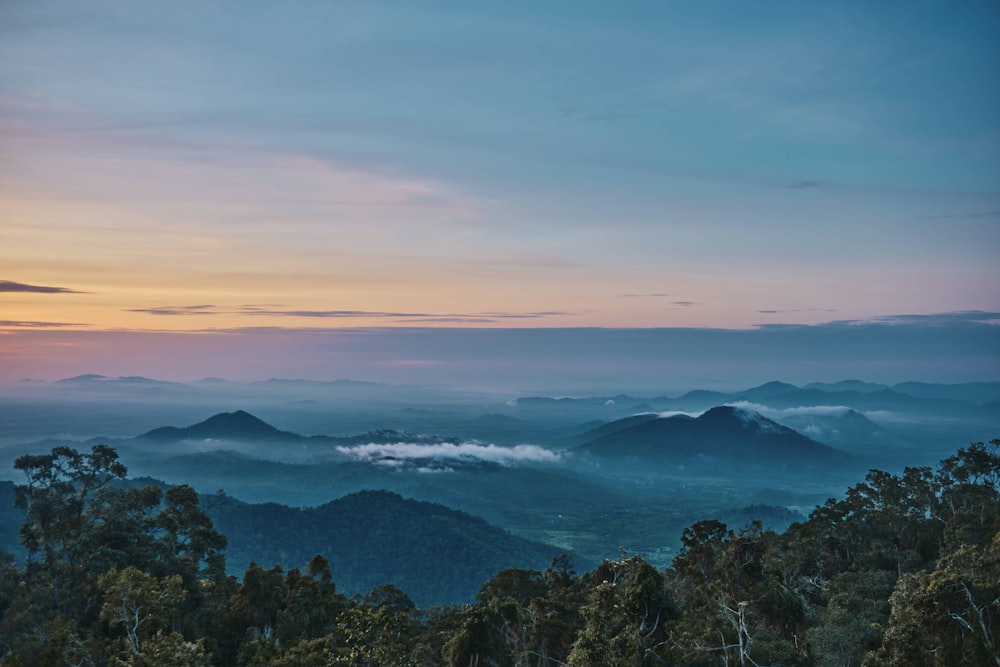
(815, 411)
(466, 451)
(801, 411)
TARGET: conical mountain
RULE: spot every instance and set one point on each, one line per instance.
(239, 425)
(769, 390)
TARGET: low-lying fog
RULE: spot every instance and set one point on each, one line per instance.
(526, 463)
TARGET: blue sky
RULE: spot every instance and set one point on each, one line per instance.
(193, 166)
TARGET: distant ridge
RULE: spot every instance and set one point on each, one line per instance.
(769, 390)
(724, 432)
(859, 386)
(87, 377)
(848, 429)
(243, 426)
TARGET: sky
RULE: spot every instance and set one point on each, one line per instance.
(212, 187)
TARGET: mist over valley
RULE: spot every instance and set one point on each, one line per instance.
(583, 475)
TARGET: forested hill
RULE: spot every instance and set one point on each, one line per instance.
(436, 554)
(724, 433)
(902, 570)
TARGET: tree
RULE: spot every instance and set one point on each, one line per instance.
(949, 616)
(737, 603)
(258, 599)
(375, 637)
(82, 522)
(55, 499)
(311, 604)
(188, 539)
(488, 635)
(119, 529)
(626, 618)
(139, 603)
(970, 494)
(167, 650)
(851, 621)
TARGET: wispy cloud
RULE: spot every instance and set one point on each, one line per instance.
(678, 413)
(330, 313)
(278, 311)
(38, 325)
(11, 286)
(800, 411)
(449, 320)
(518, 316)
(932, 320)
(649, 295)
(202, 309)
(468, 452)
(955, 321)
(962, 216)
(772, 311)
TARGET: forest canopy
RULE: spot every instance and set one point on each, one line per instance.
(903, 570)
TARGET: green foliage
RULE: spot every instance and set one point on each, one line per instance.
(904, 570)
(738, 604)
(58, 526)
(373, 636)
(187, 536)
(851, 621)
(138, 603)
(626, 616)
(88, 538)
(167, 650)
(949, 616)
(374, 537)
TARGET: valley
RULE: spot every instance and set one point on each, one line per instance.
(305, 516)
(588, 476)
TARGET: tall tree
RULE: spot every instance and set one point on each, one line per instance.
(55, 501)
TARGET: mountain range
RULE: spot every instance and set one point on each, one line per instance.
(242, 427)
(618, 470)
(721, 433)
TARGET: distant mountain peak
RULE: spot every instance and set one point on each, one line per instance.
(139, 379)
(776, 384)
(87, 377)
(749, 419)
(239, 418)
(859, 386)
(769, 389)
(238, 425)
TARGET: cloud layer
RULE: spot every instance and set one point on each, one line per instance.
(280, 311)
(801, 411)
(396, 454)
(645, 166)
